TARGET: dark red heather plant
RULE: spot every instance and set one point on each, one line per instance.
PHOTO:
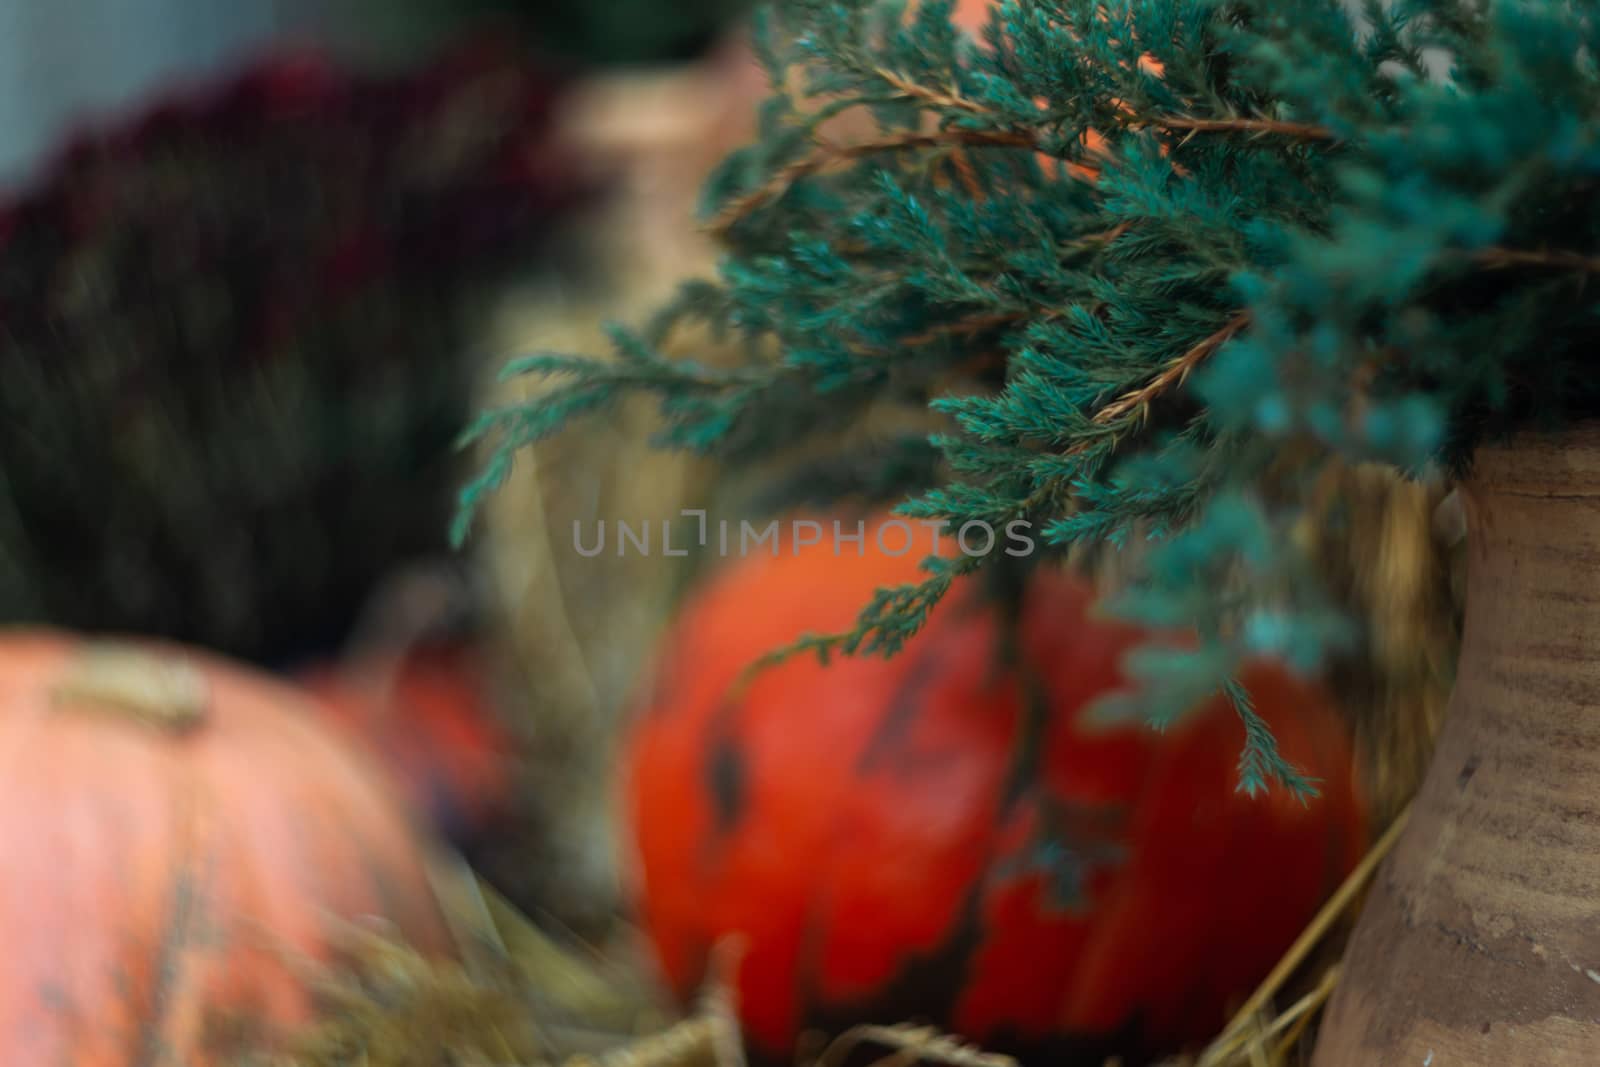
(236, 347)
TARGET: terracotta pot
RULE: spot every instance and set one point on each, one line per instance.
(1480, 943)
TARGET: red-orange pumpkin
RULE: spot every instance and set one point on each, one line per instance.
(427, 714)
(181, 837)
(875, 836)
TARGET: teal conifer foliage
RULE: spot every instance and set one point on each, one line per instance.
(1309, 234)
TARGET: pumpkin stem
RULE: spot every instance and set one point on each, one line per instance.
(155, 688)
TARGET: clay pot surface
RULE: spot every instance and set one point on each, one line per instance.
(1480, 941)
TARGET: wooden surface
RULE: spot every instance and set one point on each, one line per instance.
(1480, 944)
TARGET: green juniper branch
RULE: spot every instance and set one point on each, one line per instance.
(1155, 263)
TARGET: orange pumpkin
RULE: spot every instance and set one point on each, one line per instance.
(884, 845)
(180, 837)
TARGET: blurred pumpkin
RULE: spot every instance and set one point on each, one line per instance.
(182, 838)
(949, 835)
(427, 714)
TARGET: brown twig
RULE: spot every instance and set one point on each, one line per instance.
(1180, 368)
(938, 97)
(949, 98)
(911, 1044)
(1092, 241)
(692, 1041)
(1173, 374)
(1293, 1023)
(719, 1002)
(1555, 259)
(1300, 131)
(828, 155)
(1140, 399)
(961, 163)
(972, 324)
(1104, 237)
